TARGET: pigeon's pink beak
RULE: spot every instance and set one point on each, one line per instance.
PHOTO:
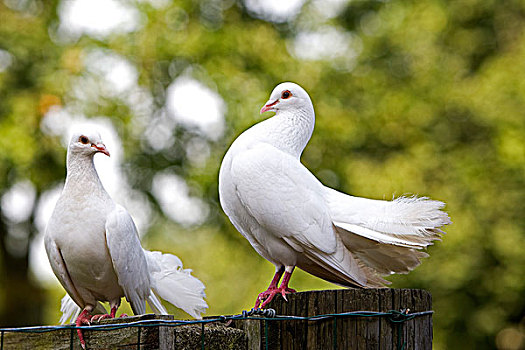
(268, 106)
(100, 148)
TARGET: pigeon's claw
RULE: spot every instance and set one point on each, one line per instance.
(268, 295)
(285, 291)
(97, 318)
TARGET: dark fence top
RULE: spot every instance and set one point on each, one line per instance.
(318, 318)
(254, 314)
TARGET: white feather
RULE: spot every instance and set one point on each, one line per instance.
(377, 236)
(156, 305)
(175, 284)
(405, 221)
(69, 309)
(128, 259)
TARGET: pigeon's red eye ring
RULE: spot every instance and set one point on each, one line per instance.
(286, 94)
(84, 140)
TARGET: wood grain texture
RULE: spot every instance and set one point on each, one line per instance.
(352, 332)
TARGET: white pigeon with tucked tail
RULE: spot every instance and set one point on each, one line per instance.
(293, 220)
(95, 252)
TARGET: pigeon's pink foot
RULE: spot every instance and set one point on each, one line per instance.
(272, 288)
(124, 315)
(282, 290)
(82, 319)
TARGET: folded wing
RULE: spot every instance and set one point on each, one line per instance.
(128, 258)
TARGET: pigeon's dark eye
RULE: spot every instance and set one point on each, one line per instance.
(286, 94)
(84, 140)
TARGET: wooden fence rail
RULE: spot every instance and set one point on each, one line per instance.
(376, 331)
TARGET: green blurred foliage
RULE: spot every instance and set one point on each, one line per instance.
(432, 104)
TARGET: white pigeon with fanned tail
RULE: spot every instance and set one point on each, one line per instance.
(292, 219)
(95, 252)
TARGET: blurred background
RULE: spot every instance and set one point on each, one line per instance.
(412, 97)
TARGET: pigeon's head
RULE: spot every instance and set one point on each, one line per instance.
(87, 143)
(286, 97)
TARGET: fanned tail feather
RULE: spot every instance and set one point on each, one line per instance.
(172, 282)
(156, 305)
(405, 221)
(70, 310)
(387, 236)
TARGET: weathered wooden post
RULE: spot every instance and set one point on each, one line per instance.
(344, 332)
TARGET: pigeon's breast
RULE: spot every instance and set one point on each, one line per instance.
(238, 172)
(81, 238)
(230, 202)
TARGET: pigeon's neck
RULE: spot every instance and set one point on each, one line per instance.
(291, 131)
(81, 174)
